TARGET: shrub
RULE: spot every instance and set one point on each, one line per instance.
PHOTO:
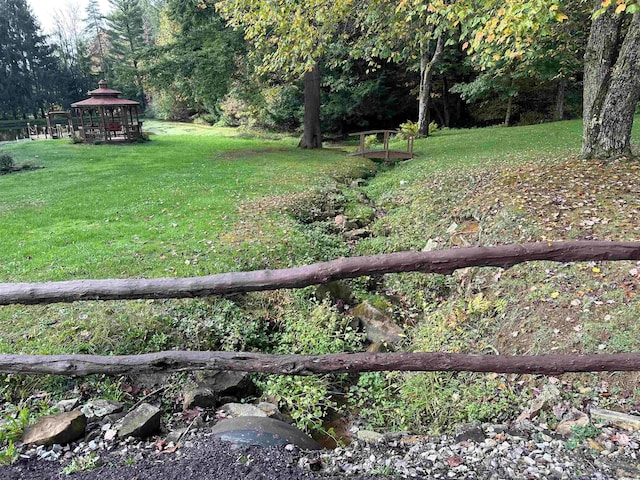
(370, 141)
(409, 129)
(218, 324)
(320, 203)
(6, 162)
(310, 328)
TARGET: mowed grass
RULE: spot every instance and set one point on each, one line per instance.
(143, 210)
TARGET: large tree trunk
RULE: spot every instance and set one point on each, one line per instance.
(312, 135)
(558, 113)
(611, 84)
(428, 60)
(445, 102)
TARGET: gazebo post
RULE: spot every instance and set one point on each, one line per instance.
(48, 125)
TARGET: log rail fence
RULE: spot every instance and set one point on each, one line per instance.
(441, 261)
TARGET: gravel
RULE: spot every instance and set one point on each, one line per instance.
(522, 451)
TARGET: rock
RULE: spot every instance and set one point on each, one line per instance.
(340, 221)
(335, 291)
(242, 410)
(97, 409)
(580, 420)
(621, 420)
(358, 182)
(357, 234)
(377, 326)
(141, 422)
(176, 435)
(225, 383)
(199, 397)
(67, 405)
(262, 431)
(472, 434)
(150, 380)
(269, 409)
(369, 436)
(61, 428)
(359, 214)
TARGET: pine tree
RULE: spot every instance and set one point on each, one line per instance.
(125, 30)
(94, 28)
(26, 62)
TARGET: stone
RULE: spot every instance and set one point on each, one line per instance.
(150, 380)
(262, 431)
(357, 234)
(96, 410)
(67, 405)
(580, 420)
(359, 214)
(175, 435)
(473, 434)
(141, 422)
(621, 420)
(242, 410)
(335, 291)
(377, 326)
(369, 436)
(225, 383)
(62, 428)
(199, 397)
(269, 409)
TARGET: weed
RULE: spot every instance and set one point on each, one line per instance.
(218, 324)
(9, 454)
(84, 463)
(580, 434)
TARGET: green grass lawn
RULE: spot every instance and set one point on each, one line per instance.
(147, 209)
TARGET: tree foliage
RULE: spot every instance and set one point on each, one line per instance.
(192, 63)
(125, 31)
(27, 66)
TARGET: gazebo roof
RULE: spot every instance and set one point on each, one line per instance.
(104, 97)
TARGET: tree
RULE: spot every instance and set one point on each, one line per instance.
(26, 62)
(413, 33)
(291, 37)
(94, 27)
(611, 79)
(190, 67)
(126, 43)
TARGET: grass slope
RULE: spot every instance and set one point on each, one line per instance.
(222, 200)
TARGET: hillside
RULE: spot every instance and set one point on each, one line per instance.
(218, 201)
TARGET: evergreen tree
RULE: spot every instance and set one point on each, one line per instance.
(95, 31)
(26, 62)
(125, 30)
(190, 68)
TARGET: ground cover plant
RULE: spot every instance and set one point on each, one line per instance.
(224, 200)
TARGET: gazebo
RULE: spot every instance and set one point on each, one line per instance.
(104, 117)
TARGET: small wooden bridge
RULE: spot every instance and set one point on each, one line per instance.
(384, 153)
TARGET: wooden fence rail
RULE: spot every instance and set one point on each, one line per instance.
(174, 361)
(439, 261)
(442, 261)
